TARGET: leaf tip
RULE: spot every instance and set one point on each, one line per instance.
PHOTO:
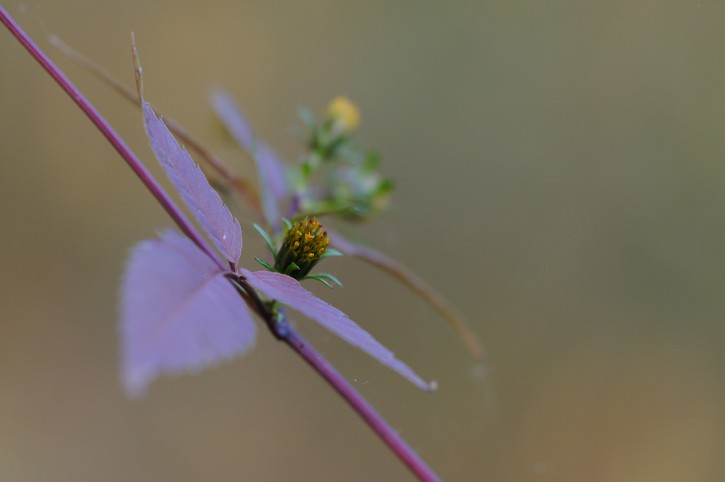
(137, 69)
(134, 381)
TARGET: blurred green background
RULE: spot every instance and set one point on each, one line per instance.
(561, 177)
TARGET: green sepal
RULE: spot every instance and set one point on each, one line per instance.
(324, 278)
(330, 252)
(324, 282)
(287, 223)
(291, 268)
(264, 263)
(331, 278)
(266, 238)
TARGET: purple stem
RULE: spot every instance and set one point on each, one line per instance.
(108, 132)
(374, 420)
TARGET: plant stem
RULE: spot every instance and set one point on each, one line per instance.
(283, 331)
(416, 284)
(280, 328)
(235, 181)
(374, 420)
(108, 132)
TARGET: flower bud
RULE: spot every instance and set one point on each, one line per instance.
(343, 113)
(304, 244)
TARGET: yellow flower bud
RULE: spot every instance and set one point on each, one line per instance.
(344, 113)
(303, 245)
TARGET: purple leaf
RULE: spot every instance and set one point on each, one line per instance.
(208, 208)
(272, 177)
(275, 174)
(416, 284)
(178, 312)
(233, 118)
(287, 290)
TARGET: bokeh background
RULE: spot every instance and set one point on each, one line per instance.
(561, 177)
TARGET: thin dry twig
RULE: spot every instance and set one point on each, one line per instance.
(241, 185)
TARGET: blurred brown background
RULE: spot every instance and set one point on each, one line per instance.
(561, 177)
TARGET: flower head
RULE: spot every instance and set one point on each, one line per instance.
(343, 113)
(305, 243)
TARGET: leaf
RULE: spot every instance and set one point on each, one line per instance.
(178, 312)
(203, 201)
(288, 291)
(274, 185)
(416, 284)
